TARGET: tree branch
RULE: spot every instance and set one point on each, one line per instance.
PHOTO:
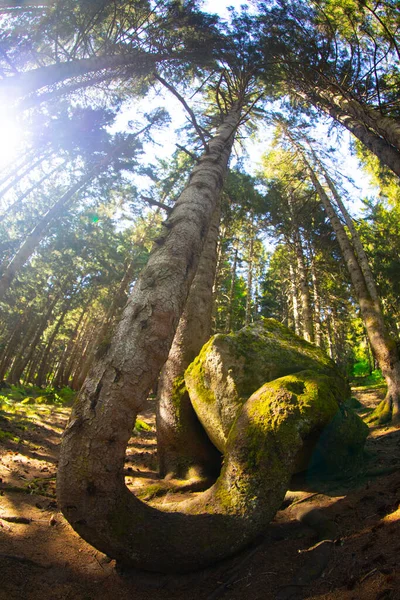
(187, 108)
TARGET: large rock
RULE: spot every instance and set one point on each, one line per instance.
(230, 368)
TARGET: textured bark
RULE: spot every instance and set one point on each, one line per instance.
(387, 128)
(91, 489)
(59, 378)
(384, 348)
(371, 128)
(183, 448)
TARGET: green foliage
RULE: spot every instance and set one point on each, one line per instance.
(31, 394)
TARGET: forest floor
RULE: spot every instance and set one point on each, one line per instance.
(42, 558)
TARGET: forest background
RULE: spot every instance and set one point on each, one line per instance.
(86, 184)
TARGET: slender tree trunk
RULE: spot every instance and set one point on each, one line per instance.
(22, 174)
(38, 232)
(329, 337)
(13, 342)
(384, 348)
(183, 448)
(59, 376)
(23, 359)
(35, 186)
(231, 295)
(250, 261)
(72, 369)
(306, 309)
(317, 300)
(42, 370)
(295, 305)
(356, 241)
(387, 128)
(105, 330)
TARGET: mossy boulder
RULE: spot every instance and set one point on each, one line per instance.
(268, 356)
(230, 367)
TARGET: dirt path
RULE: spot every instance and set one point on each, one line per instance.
(42, 557)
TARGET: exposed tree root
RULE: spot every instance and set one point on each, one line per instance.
(385, 412)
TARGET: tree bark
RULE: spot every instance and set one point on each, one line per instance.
(91, 489)
(361, 124)
(383, 347)
(106, 328)
(37, 233)
(183, 448)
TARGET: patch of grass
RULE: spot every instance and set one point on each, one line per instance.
(6, 435)
(374, 380)
(141, 426)
(31, 394)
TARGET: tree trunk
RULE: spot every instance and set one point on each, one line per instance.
(35, 186)
(106, 328)
(59, 379)
(36, 235)
(91, 489)
(359, 123)
(22, 84)
(41, 374)
(306, 310)
(250, 260)
(317, 300)
(387, 128)
(184, 450)
(231, 296)
(356, 241)
(383, 347)
(295, 306)
(22, 174)
(23, 359)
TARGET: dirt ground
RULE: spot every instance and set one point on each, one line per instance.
(347, 548)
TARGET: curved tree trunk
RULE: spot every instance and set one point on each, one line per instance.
(183, 448)
(91, 489)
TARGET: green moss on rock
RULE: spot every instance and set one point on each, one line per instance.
(231, 367)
